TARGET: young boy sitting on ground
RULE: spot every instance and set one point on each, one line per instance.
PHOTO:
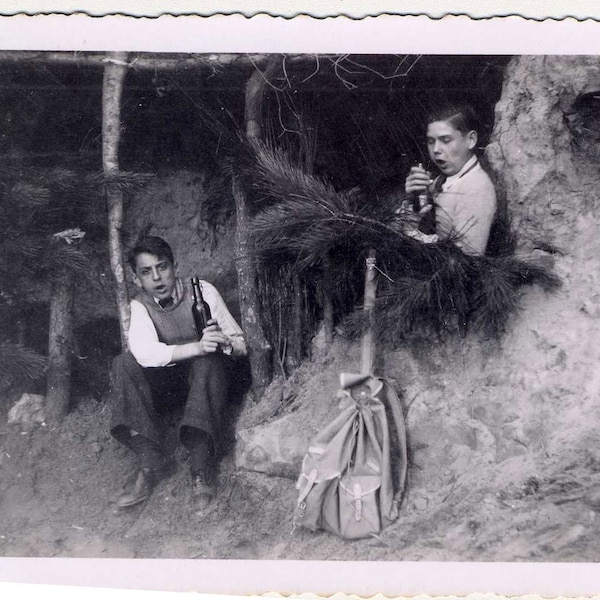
(167, 367)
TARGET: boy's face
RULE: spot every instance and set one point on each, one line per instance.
(155, 275)
(448, 147)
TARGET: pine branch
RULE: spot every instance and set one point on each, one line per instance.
(51, 178)
(19, 364)
(23, 195)
(126, 182)
(497, 290)
(63, 256)
(282, 180)
(20, 250)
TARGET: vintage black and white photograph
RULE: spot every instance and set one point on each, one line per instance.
(299, 306)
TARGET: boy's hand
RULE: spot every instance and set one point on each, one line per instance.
(431, 238)
(405, 209)
(418, 180)
(212, 337)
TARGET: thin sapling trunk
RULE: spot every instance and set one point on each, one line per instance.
(112, 89)
(60, 343)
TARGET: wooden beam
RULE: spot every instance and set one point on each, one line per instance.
(145, 61)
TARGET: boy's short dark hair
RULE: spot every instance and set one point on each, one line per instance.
(150, 244)
(461, 116)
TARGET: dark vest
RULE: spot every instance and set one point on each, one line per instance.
(175, 324)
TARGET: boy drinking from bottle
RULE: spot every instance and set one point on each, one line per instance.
(168, 366)
(463, 195)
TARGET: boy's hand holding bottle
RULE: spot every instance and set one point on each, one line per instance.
(416, 188)
(210, 336)
(418, 180)
(417, 184)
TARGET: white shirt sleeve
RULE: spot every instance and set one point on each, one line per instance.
(144, 344)
(227, 323)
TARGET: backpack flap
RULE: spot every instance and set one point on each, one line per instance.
(359, 506)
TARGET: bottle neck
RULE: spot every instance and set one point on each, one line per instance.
(196, 291)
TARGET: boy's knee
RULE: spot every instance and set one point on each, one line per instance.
(208, 368)
(207, 363)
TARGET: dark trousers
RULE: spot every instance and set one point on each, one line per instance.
(142, 396)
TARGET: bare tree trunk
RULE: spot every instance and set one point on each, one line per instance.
(112, 88)
(259, 349)
(60, 342)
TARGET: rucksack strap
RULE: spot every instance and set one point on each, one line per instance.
(396, 410)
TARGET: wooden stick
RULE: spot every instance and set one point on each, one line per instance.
(368, 340)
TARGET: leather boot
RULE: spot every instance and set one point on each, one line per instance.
(204, 489)
(140, 490)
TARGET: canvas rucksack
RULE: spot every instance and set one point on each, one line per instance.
(347, 484)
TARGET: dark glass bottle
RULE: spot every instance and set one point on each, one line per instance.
(422, 199)
(200, 309)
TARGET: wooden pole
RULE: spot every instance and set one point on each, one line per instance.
(60, 343)
(368, 340)
(259, 349)
(112, 89)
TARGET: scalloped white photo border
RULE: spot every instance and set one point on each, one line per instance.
(406, 35)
